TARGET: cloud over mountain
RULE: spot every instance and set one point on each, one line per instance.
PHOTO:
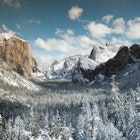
(133, 31)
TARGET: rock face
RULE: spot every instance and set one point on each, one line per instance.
(84, 72)
(135, 51)
(112, 66)
(93, 53)
(15, 52)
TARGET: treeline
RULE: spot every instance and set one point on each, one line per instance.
(71, 115)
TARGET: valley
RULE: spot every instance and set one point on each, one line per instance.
(63, 110)
(98, 106)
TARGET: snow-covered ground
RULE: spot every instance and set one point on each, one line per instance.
(38, 76)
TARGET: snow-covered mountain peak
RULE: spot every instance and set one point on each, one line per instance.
(64, 68)
(87, 63)
(104, 53)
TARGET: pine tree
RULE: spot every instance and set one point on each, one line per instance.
(80, 127)
(103, 112)
(111, 133)
(9, 128)
(3, 133)
(88, 121)
(56, 127)
(97, 123)
(115, 105)
(18, 129)
(133, 129)
(34, 124)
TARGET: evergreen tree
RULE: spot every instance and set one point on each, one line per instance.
(97, 123)
(9, 128)
(3, 133)
(56, 127)
(18, 129)
(103, 112)
(115, 105)
(34, 124)
(133, 129)
(80, 133)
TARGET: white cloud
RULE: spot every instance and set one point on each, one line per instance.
(98, 30)
(18, 26)
(75, 12)
(34, 21)
(62, 33)
(12, 3)
(54, 44)
(107, 18)
(133, 31)
(119, 26)
(45, 59)
(84, 42)
(10, 32)
(67, 44)
(70, 32)
(120, 41)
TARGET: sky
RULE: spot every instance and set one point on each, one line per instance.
(56, 29)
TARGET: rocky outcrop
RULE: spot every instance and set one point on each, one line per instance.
(112, 66)
(15, 52)
(135, 51)
(33, 65)
(84, 72)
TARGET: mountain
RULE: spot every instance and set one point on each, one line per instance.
(106, 108)
(15, 52)
(113, 66)
(62, 69)
(65, 68)
(17, 66)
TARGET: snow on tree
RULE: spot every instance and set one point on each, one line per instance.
(97, 123)
(111, 133)
(115, 105)
(84, 124)
(3, 133)
(137, 99)
(103, 112)
(56, 127)
(34, 124)
(18, 129)
(80, 134)
(67, 133)
(9, 128)
(133, 129)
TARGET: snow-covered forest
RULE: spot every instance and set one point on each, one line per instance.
(82, 113)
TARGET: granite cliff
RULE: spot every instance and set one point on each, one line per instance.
(15, 52)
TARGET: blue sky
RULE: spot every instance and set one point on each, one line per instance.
(59, 28)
